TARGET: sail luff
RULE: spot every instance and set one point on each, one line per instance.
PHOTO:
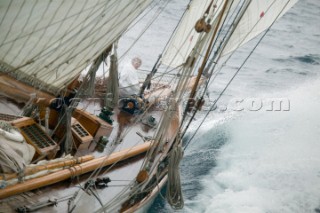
(185, 38)
(259, 16)
(238, 9)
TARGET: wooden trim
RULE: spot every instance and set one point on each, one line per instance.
(73, 171)
(30, 170)
(20, 92)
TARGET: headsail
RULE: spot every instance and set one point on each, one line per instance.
(185, 37)
(259, 16)
(48, 43)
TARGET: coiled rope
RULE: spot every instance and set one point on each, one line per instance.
(174, 192)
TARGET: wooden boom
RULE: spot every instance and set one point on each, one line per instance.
(73, 171)
(20, 92)
(51, 165)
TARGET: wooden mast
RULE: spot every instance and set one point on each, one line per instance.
(204, 62)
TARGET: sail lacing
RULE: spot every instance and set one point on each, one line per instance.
(69, 17)
(160, 139)
(69, 51)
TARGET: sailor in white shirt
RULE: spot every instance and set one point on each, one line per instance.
(128, 79)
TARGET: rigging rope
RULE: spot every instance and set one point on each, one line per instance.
(222, 92)
(174, 192)
(230, 81)
(68, 143)
(210, 48)
(146, 27)
(219, 47)
(112, 83)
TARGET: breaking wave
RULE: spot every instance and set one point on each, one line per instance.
(270, 162)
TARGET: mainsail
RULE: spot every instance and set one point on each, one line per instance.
(47, 44)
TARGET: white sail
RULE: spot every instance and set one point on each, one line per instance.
(48, 43)
(259, 16)
(185, 37)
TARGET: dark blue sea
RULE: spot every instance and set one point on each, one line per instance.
(259, 150)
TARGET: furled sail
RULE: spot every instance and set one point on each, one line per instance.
(185, 37)
(48, 43)
(259, 15)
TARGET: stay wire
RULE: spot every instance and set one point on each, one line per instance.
(223, 91)
(208, 80)
(230, 81)
(157, 13)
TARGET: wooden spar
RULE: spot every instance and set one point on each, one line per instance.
(51, 165)
(73, 171)
(192, 81)
(204, 62)
(20, 92)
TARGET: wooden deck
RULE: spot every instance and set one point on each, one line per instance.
(129, 129)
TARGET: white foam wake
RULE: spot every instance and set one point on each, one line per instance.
(272, 162)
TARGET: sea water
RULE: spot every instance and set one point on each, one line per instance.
(259, 150)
